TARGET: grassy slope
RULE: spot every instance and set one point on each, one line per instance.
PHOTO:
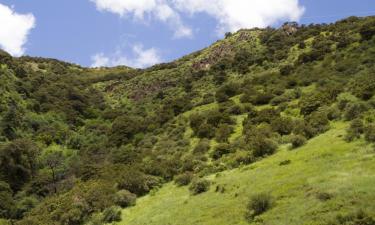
(326, 164)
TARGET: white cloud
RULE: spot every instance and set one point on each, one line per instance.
(14, 30)
(236, 14)
(140, 58)
(146, 9)
(231, 15)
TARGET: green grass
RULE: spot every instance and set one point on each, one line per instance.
(327, 164)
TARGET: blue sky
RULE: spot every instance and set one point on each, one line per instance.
(140, 33)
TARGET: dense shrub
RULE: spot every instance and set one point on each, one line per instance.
(199, 186)
(262, 146)
(369, 132)
(206, 130)
(124, 128)
(310, 103)
(125, 198)
(318, 122)
(355, 130)
(202, 147)
(223, 133)
(258, 204)
(112, 214)
(367, 30)
(220, 150)
(354, 110)
(6, 200)
(356, 218)
(363, 85)
(282, 125)
(262, 98)
(226, 91)
(18, 162)
(297, 141)
(184, 179)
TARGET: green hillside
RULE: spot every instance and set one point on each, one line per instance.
(322, 180)
(267, 126)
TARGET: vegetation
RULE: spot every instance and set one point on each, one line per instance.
(77, 144)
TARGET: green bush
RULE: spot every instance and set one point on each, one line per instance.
(183, 179)
(355, 130)
(262, 146)
(223, 133)
(282, 125)
(318, 123)
(199, 186)
(112, 214)
(356, 218)
(125, 198)
(206, 130)
(220, 150)
(202, 147)
(6, 200)
(298, 141)
(367, 30)
(258, 204)
(262, 98)
(311, 102)
(369, 132)
(354, 110)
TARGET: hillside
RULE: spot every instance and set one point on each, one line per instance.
(267, 126)
(316, 183)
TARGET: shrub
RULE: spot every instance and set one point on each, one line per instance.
(318, 122)
(258, 204)
(125, 198)
(199, 186)
(279, 99)
(262, 98)
(355, 130)
(226, 91)
(370, 133)
(357, 218)
(298, 141)
(364, 85)
(124, 128)
(183, 179)
(310, 103)
(112, 214)
(367, 30)
(206, 131)
(202, 147)
(262, 146)
(286, 70)
(354, 110)
(220, 150)
(282, 125)
(344, 99)
(6, 200)
(223, 133)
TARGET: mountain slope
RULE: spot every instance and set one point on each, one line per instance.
(79, 144)
(322, 180)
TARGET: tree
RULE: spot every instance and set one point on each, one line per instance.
(6, 200)
(223, 133)
(310, 103)
(367, 30)
(282, 125)
(18, 162)
(11, 121)
(54, 161)
(124, 128)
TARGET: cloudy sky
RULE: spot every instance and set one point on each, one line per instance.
(140, 33)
